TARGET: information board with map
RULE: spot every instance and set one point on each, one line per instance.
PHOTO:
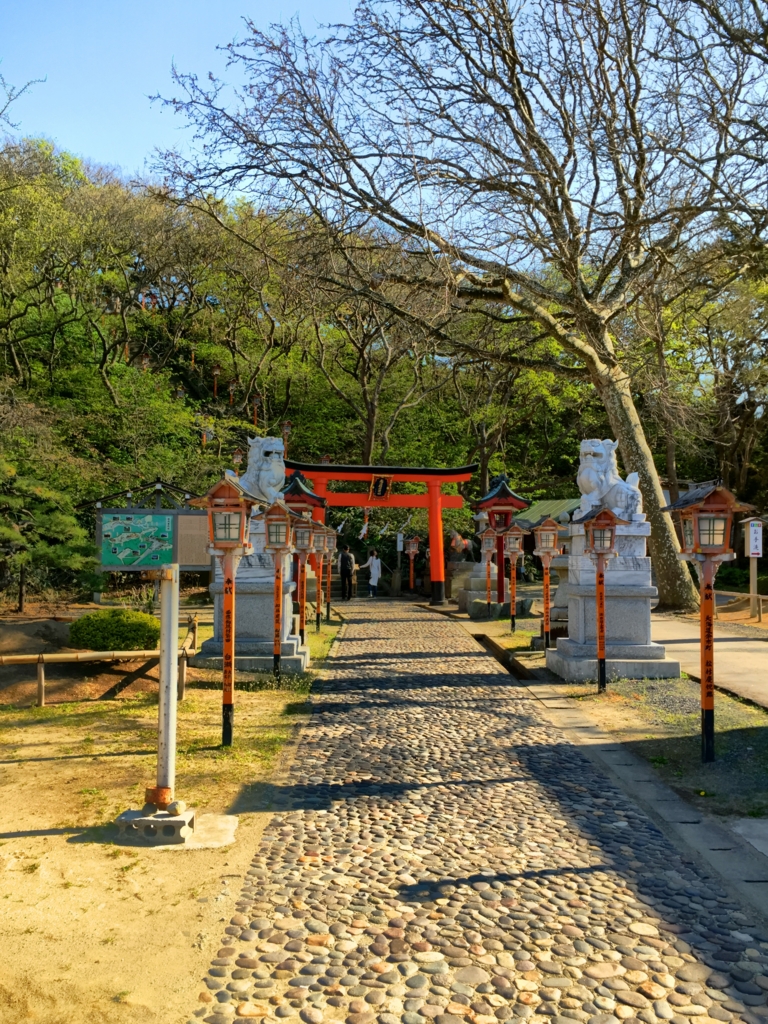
(136, 541)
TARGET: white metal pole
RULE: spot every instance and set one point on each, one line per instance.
(169, 647)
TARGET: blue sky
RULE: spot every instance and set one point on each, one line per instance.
(102, 60)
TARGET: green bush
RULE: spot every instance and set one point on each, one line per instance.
(115, 629)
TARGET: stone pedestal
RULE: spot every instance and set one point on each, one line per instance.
(254, 615)
(630, 652)
(558, 613)
(474, 585)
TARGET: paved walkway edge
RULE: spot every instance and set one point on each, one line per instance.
(742, 868)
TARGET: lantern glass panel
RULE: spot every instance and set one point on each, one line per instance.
(226, 526)
(688, 534)
(489, 543)
(547, 540)
(602, 539)
(513, 543)
(712, 531)
(277, 532)
(303, 538)
(331, 541)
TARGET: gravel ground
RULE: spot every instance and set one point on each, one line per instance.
(448, 856)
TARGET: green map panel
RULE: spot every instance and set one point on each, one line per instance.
(129, 541)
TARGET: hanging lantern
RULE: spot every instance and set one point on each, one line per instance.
(488, 544)
(600, 533)
(513, 540)
(278, 522)
(546, 538)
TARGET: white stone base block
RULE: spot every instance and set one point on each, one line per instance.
(584, 670)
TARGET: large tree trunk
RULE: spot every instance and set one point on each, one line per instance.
(676, 589)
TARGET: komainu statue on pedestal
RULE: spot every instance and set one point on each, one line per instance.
(600, 484)
(265, 476)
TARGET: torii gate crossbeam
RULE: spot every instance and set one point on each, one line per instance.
(433, 500)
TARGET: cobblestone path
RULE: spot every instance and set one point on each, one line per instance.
(450, 856)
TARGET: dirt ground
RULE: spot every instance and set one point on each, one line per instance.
(97, 932)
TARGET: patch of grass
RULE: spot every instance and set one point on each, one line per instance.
(662, 723)
(30, 869)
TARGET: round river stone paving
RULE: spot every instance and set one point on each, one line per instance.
(444, 854)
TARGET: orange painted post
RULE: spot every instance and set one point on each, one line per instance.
(411, 575)
(545, 562)
(328, 581)
(319, 601)
(600, 614)
(302, 596)
(278, 616)
(500, 568)
(228, 652)
(488, 585)
(437, 556)
(707, 569)
(512, 591)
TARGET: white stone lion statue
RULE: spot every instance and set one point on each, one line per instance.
(600, 484)
(265, 476)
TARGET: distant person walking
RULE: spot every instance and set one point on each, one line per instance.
(374, 564)
(346, 570)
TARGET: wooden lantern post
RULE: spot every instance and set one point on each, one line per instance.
(229, 510)
(546, 549)
(321, 546)
(600, 542)
(513, 548)
(305, 545)
(707, 525)
(331, 548)
(412, 549)
(488, 546)
(278, 541)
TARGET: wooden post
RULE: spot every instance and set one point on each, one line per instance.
(488, 585)
(277, 646)
(500, 569)
(600, 615)
(707, 660)
(181, 682)
(319, 589)
(302, 597)
(228, 652)
(328, 581)
(512, 591)
(194, 633)
(545, 563)
(41, 682)
(411, 575)
(752, 587)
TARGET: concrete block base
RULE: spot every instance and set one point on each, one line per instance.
(292, 663)
(582, 670)
(256, 655)
(160, 828)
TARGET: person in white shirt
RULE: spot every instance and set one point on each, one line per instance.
(374, 564)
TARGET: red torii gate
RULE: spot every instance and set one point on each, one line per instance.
(380, 480)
